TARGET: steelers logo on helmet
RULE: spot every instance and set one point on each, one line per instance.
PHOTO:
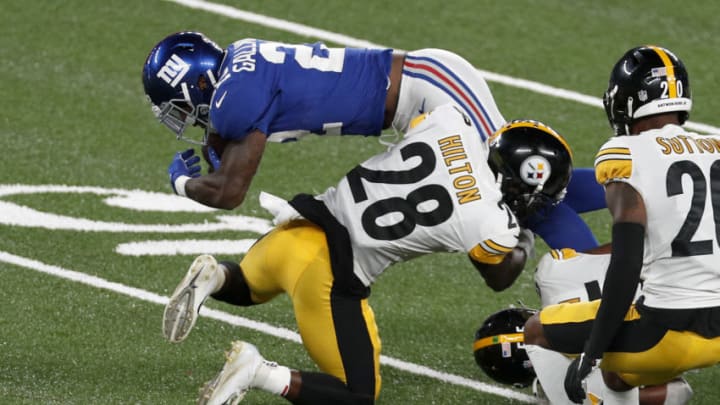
(535, 170)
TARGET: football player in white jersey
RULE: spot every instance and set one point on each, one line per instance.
(567, 276)
(434, 191)
(255, 91)
(662, 191)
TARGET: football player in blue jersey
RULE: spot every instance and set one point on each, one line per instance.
(256, 91)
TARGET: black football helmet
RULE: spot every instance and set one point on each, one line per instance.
(500, 350)
(179, 77)
(647, 80)
(532, 163)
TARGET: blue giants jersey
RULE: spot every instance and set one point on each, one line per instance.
(286, 90)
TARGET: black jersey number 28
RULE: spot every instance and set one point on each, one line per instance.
(682, 245)
(407, 206)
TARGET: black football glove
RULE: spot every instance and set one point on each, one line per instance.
(577, 371)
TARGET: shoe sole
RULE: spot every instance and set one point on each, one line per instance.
(207, 391)
(180, 316)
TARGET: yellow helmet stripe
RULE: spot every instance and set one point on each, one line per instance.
(493, 340)
(533, 124)
(669, 70)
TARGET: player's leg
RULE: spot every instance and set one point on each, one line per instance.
(584, 194)
(562, 329)
(550, 369)
(651, 357)
(561, 227)
(298, 259)
(339, 332)
(223, 281)
(432, 77)
(675, 392)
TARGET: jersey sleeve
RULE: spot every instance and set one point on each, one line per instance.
(613, 162)
(493, 251)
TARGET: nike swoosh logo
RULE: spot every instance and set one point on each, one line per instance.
(219, 101)
(192, 282)
(422, 107)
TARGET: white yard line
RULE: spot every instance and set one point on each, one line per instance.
(235, 320)
(305, 30)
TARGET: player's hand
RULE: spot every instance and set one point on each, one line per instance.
(214, 158)
(184, 166)
(526, 242)
(577, 371)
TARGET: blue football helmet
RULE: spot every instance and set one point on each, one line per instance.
(179, 76)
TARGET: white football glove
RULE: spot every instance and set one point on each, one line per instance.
(526, 242)
(279, 208)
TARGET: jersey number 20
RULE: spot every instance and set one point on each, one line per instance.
(682, 245)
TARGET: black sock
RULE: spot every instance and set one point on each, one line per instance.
(235, 290)
(324, 389)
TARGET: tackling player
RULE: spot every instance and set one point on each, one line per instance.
(662, 191)
(434, 191)
(257, 91)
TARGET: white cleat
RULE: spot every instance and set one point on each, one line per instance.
(234, 379)
(181, 312)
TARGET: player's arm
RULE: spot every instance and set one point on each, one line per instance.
(501, 269)
(225, 187)
(214, 148)
(628, 234)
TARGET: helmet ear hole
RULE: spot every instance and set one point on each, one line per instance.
(499, 347)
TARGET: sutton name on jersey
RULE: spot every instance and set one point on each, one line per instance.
(682, 144)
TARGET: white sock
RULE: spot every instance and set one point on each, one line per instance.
(219, 277)
(595, 387)
(272, 378)
(678, 392)
(611, 397)
(550, 368)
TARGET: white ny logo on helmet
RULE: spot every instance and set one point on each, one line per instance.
(174, 70)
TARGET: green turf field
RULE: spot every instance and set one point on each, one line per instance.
(84, 163)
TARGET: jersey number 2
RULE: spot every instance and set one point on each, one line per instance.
(408, 206)
(320, 58)
(682, 245)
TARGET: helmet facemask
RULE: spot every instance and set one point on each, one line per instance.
(179, 114)
(179, 78)
(525, 200)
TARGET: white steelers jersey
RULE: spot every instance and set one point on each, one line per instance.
(564, 275)
(677, 173)
(431, 192)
